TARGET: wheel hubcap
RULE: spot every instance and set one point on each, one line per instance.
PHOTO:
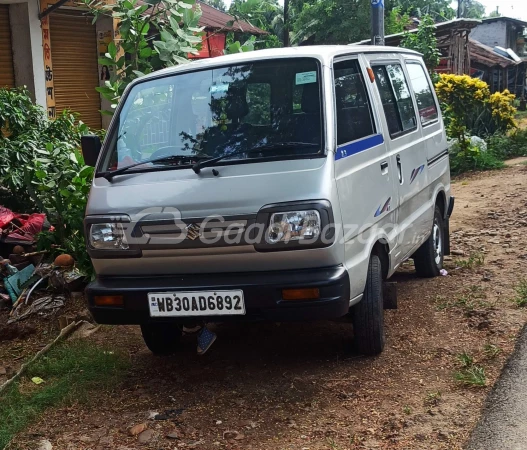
(437, 241)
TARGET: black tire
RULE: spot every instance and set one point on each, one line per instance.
(428, 258)
(161, 338)
(368, 314)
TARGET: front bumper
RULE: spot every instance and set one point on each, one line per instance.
(262, 294)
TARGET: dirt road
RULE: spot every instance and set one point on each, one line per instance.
(297, 387)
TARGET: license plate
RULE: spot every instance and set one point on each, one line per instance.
(196, 303)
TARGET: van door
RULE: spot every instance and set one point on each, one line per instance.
(362, 167)
(407, 152)
(432, 126)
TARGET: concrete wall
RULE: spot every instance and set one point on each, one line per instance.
(104, 27)
(27, 47)
(21, 39)
(492, 34)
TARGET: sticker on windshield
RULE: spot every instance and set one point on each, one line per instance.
(306, 77)
(219, 88)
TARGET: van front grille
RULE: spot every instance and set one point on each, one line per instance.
(192, 233)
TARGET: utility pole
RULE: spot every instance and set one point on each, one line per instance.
(286, 23)
(459, 9)
(377, 22)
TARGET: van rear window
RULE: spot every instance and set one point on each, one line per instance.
(426, 103)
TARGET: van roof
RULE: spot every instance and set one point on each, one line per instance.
(323, 52)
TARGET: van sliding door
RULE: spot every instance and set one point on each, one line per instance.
(407, 149)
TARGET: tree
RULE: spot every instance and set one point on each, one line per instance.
(218, 4)
(152, 35)
(339, 21)
(424, 41)
(494, 13)
(439, 10)
(265, 14)
(471, 9)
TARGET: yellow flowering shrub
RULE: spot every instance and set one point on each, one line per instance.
(503, 110)
(468, 105)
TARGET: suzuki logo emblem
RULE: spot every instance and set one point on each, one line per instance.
(193, 231)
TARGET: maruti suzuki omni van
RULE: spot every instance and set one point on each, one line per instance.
(283, 184)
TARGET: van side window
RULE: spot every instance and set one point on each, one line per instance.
(396, 99)
(259, 103)
(426, 104)
(354, 114)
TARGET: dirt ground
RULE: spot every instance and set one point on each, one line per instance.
(296, 386)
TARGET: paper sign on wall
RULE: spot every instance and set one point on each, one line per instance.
(306, 77)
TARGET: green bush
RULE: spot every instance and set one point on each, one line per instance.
(472, 159)
(41, 168)
(509, 146)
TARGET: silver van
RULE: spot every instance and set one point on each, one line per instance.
(283, 184)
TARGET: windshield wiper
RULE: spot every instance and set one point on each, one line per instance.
(109, 175)
(266, 148)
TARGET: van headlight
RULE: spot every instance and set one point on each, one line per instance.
(107, 236)
(293, 226)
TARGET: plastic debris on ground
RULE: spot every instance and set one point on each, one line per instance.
(43, 306)
(443, 272)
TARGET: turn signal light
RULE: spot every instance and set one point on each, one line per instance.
(301, 294)
(109, 300)
(371, 74)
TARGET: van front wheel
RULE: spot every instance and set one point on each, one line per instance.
(368, 314)
(428, 259)
(161, 338)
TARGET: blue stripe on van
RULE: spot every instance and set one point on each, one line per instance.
(358, 146)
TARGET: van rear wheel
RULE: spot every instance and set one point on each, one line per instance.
(161, 338)
(428, 259)
(368, 314)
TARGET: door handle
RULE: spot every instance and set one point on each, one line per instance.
(384, 167)
(399, 169)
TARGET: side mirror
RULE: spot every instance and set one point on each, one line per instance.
(91, 147)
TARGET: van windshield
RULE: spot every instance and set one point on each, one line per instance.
(216, 112)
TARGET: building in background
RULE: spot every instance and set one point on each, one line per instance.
(502, 32)
(52, 47)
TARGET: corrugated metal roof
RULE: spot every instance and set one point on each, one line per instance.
(214, 19)
(483, 54)
(517, 22)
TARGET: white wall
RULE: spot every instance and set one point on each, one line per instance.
(492, 34)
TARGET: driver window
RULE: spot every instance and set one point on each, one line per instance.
(354, 114)
(147, 124)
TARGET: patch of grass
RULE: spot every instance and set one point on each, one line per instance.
(491, 350)
(407, 410)
(474, 260)
(332, 444)
(432, 398)
(71, 373)
(465, 359)
(472, 376)
(521, 294)
(474, 297)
